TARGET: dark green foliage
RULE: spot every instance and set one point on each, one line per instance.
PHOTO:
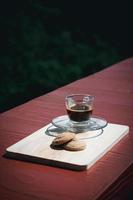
(38, 54)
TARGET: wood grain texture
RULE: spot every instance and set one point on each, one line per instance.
(113, 91)
(37, 147)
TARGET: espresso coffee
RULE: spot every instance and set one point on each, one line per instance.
(79, 112)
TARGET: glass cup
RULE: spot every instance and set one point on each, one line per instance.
(79, 109)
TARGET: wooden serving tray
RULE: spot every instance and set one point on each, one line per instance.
(36, 147)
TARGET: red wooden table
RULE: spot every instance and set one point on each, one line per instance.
(110, 178)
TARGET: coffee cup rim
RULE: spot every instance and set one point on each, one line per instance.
(79, 94)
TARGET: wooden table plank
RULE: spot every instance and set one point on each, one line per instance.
(113, 90)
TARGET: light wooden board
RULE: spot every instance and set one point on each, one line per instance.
(36, 147)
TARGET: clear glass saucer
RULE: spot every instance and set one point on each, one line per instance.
(95, 123)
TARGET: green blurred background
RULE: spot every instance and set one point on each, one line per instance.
(47, 44)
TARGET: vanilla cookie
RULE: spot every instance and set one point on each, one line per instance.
(63, 138)
(74, 145)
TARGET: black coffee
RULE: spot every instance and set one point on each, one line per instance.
(79, 112)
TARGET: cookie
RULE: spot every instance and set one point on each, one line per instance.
(63, 138)
(75, 145)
